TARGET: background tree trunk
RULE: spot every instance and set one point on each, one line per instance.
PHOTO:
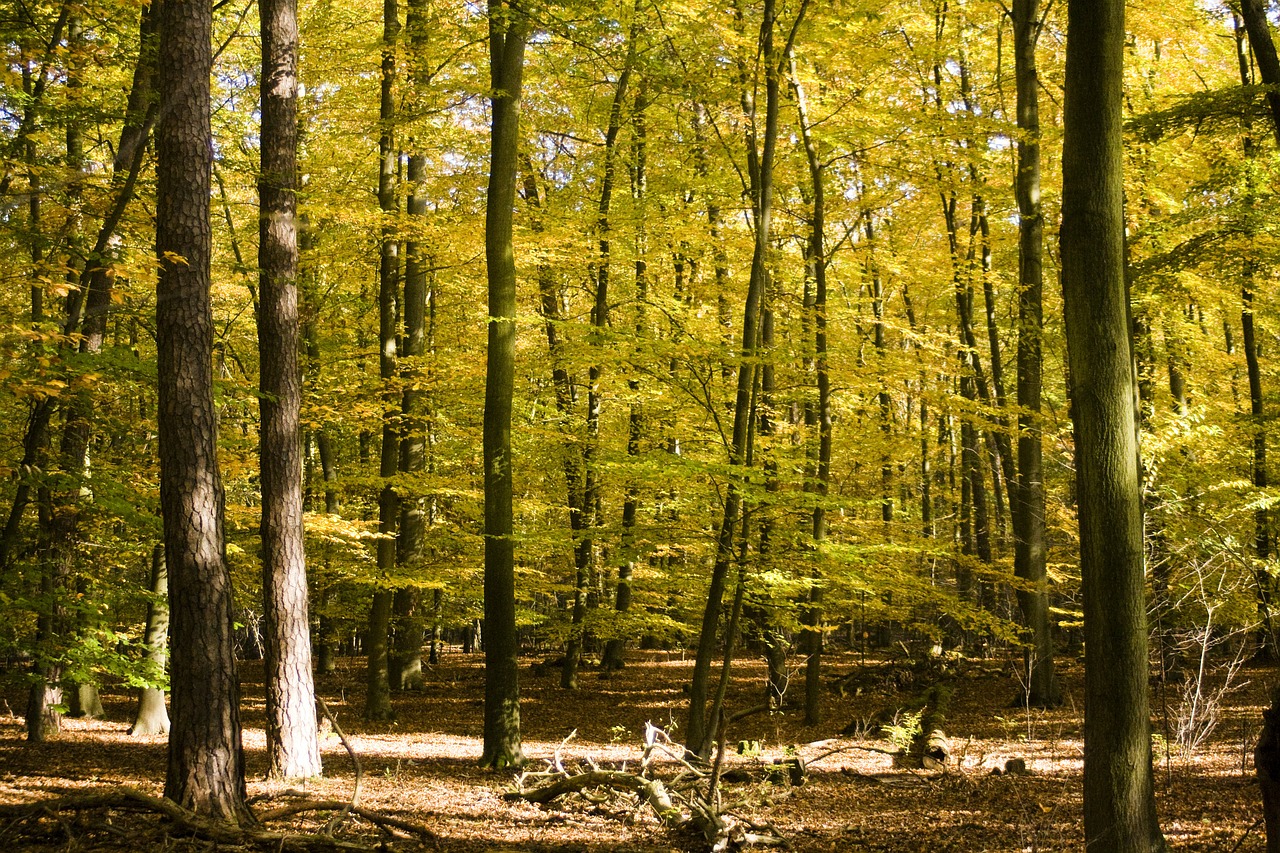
(1028, 504)
(377, 703)
(153, 717)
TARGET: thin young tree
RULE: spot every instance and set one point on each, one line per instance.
(1119, 795)
(1028, 504)
(377, 703)
(206, 758)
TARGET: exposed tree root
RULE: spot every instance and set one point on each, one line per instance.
(188, 823)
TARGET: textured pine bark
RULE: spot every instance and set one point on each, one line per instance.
(293, 749)
(206, 761)
(1119, 798)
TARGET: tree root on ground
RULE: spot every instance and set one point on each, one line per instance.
(185, 822)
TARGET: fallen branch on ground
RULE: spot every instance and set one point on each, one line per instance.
(218, 832)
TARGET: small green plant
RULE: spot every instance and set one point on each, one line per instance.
(749, 748)
(618, 734)
(904, 729)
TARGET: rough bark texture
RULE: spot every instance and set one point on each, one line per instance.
(1119, 800)
(206, 762)
(153, 716)
(293, 749)
(508, 29)
(1028, 504)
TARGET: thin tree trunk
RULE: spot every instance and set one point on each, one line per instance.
(742, 414)
(1267, 641)
(1028, 503)
(378, 698)
(406, 671)
(612, 659)
(153, 717)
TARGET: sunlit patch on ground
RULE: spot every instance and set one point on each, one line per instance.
(423, 766)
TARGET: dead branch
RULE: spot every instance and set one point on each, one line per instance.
(652, 790)
(215, 831)
(337, 820)
(375, 817)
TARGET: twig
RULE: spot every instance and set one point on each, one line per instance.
(337, 820)
(851, 748)
(375, 817)
(1246, 835)
(557, 763)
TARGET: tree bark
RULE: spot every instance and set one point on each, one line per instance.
(206, 761)
(378, 698)
(1028, 504)
(1264, 53)
(293, 749)
(508, 29)
(1119, 800)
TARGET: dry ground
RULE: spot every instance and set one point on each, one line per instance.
(423, 766)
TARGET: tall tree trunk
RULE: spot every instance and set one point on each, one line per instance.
(818, 414)
(508, 29)
(153, 717)
(377, 703)
(406, 667)
(293, 749)
(1267, 641)
(612, 659)
(585, 550)
(206, 760)
(1028, 504)
(1119, 798)
(762, 182)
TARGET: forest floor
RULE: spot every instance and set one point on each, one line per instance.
(423, 767)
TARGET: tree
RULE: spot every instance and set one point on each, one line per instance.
(293, 750)
(508, 30)
(153, 717)
(1028, 505)
(1119, 797)
(206, 760)
(377, 703)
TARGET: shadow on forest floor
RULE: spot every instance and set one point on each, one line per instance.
(423, 766)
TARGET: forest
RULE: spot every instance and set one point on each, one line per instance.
(645, 425)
